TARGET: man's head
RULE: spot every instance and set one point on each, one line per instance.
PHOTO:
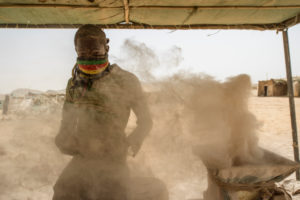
(91, 43)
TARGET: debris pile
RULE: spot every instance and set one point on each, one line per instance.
(26, 102)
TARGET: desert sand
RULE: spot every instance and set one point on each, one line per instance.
(30, 162)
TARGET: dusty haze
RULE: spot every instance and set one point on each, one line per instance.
(195, 117)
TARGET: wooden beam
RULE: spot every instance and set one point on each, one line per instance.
(260, 27)
(6, 5)
(220, 7)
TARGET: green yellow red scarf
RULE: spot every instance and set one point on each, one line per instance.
(86, 71)
(92, 67)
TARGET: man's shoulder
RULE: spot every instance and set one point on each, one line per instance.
(69, 83)
(124, 74)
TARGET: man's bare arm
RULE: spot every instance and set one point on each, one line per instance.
(64, 139)
(144, 120)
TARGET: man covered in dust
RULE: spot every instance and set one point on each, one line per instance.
(99, 98)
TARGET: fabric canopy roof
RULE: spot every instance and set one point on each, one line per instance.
(158, 14)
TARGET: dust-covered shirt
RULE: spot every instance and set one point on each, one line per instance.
(94, 119)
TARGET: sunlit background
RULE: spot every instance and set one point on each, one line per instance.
(42, 59)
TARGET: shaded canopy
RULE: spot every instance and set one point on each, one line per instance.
(158, 14)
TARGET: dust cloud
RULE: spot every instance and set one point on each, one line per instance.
(139, 59)
(199, 123)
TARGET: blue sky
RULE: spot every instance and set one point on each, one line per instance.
(43, 58)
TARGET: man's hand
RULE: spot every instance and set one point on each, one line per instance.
(135, 142)
(66, 144)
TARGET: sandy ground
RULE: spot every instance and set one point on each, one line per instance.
(275, 133)
(30, 162)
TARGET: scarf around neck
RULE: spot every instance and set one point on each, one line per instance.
(86, 71)
(92, 67)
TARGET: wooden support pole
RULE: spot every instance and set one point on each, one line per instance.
(126, 11)
(291, 97)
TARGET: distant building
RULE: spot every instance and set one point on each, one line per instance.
(277, 87)
(273, 87)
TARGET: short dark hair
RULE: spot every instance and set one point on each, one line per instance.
(89, 31)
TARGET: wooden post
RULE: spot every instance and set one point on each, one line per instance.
(291, 97)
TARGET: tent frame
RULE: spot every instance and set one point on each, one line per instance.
(133, 25)
(127, 24)
(291, 97)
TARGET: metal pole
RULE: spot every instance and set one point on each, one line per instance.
(291, 97)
